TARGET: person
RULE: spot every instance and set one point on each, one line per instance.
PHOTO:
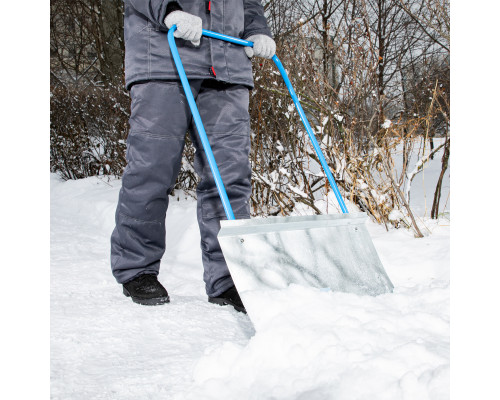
(220, 76)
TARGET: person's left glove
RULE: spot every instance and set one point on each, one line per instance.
(189, 26)
(263, 46)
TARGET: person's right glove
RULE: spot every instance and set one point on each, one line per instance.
(263, 46)
(189, 26)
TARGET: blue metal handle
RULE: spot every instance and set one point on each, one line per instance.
(226, 38)
(201, 129)
(199, 125)
(312, 137)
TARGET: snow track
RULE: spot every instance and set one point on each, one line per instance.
(313, 345)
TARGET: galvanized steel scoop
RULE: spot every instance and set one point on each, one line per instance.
(330, 252)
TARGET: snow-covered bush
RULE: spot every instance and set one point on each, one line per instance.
(88, 128)
(361, 154)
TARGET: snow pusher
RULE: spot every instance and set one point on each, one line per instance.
(331, 252)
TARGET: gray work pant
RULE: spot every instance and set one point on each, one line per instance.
(160, 118)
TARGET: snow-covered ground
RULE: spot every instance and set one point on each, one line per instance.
(312, 344)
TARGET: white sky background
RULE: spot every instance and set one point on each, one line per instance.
(475, 326)
(24, 166)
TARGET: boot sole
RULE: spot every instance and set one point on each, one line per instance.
(225, 302)
(156, 301)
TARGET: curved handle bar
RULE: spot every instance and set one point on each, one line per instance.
(201, 130)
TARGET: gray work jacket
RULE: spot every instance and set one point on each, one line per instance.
(147, 53)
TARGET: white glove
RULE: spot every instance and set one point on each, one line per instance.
(188, 26)
(263, 46)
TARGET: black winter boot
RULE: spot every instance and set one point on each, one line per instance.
(230, 297)
(146, 290)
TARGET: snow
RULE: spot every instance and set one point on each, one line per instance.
(396, 215)
(297, 191)
(311, 345)
(387, 124)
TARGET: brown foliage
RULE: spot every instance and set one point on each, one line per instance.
(88, 128)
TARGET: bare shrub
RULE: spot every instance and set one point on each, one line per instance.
(88, 129)
(360, 152)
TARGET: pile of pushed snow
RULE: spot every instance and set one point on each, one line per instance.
(312, 344)
(309, 344)
(317, 345)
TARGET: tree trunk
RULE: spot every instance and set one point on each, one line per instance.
(437, 192)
